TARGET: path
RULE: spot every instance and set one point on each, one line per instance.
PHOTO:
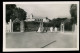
(39, 40)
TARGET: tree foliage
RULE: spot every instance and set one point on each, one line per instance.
(57, 22)
(18, 13)
(9, 11)
(12, 12)
(73, 12)
(31, 26)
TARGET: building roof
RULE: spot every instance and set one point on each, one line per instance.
(67, 20)
(34, 18)
(16, 20)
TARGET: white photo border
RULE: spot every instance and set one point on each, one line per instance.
(39, 49)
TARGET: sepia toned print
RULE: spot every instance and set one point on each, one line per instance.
(32, 26)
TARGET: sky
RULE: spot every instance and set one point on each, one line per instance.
(47, 10)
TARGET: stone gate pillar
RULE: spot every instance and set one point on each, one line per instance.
(11, 26)
(40, 27)
(74, 27)
(62, 27)
(22, 26)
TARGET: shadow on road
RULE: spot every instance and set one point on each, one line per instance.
(48, 44)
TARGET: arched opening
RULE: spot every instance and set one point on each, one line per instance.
(16, 27)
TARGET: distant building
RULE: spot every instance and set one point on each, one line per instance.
(29, 18)
(36, 18)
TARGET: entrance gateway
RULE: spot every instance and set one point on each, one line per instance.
(18, 26)
(15, 26)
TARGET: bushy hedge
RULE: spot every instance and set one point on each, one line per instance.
(31, 26)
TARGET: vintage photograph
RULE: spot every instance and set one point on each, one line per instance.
(32, 26)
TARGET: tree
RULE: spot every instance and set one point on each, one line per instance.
(9, 11)
(18, 13)
(57, 22)
(12, 12)
(73, 12)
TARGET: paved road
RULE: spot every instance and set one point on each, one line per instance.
(66, 40)
(40, 40)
